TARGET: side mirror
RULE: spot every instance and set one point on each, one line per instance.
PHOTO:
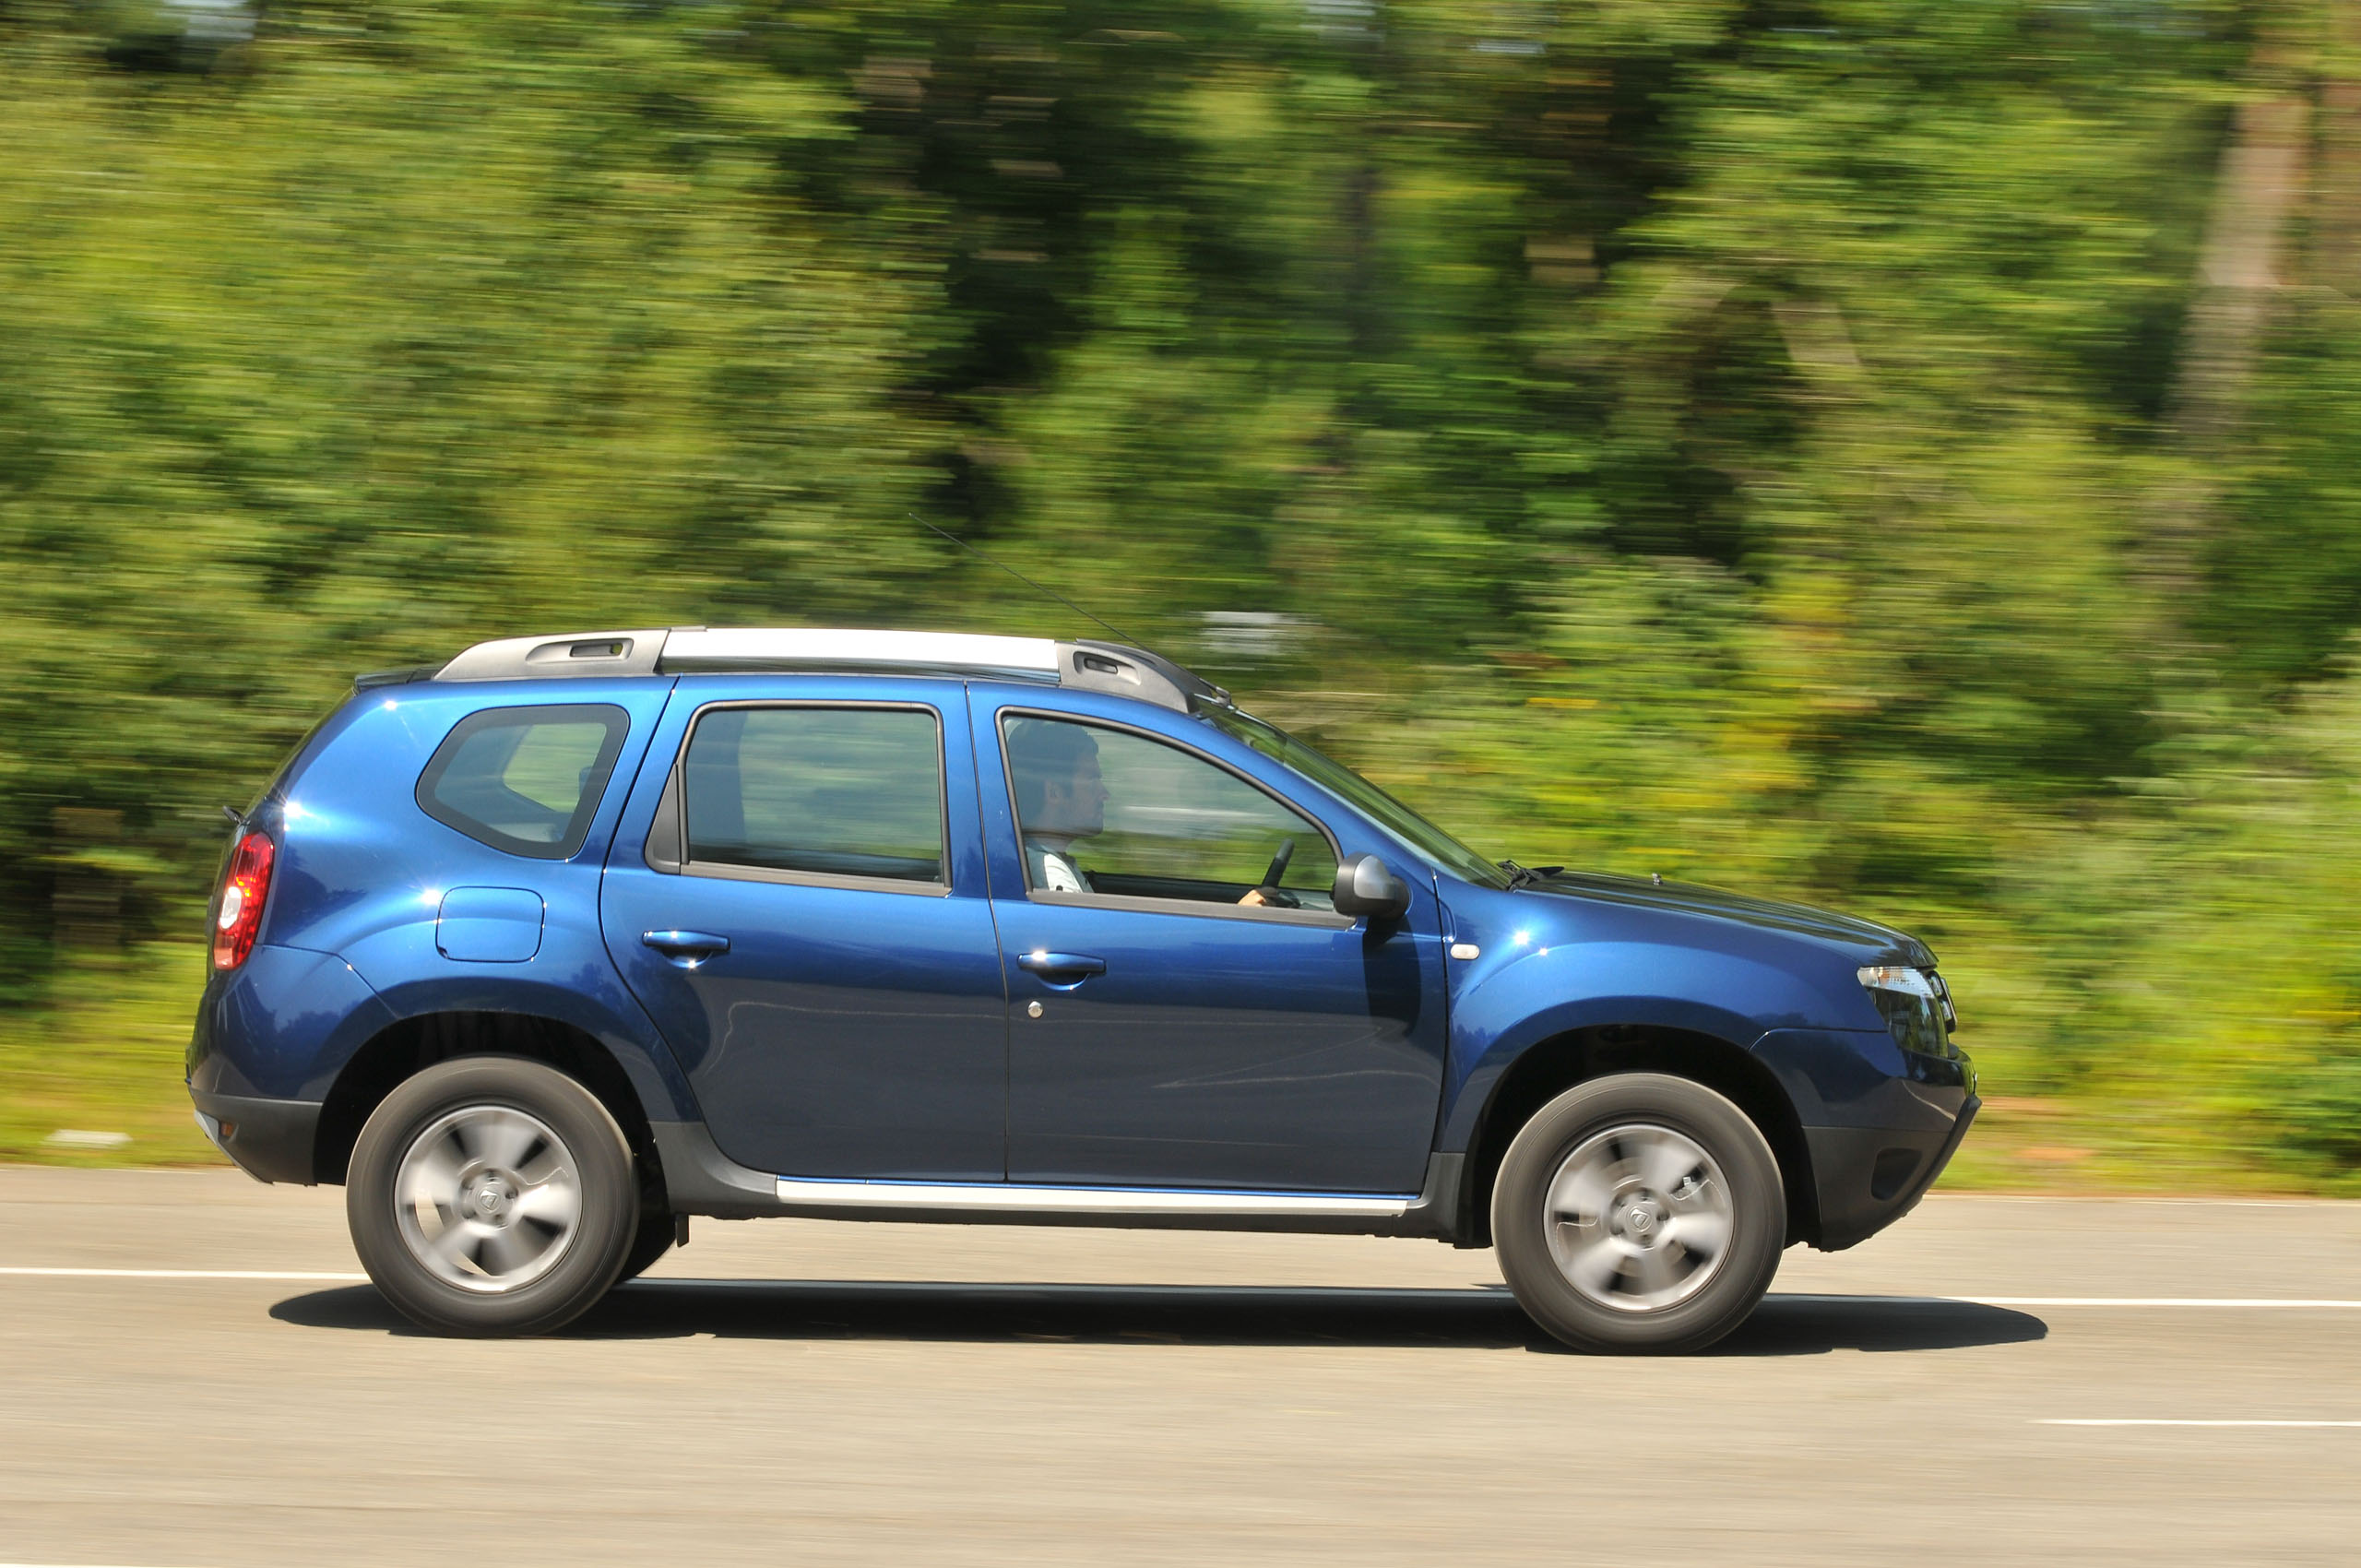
(1364, 887)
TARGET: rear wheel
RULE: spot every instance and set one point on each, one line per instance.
(492, 1195)
(1639, 1213)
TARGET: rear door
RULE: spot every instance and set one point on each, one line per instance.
(797, 895)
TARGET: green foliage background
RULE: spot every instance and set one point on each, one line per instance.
(1735, 440)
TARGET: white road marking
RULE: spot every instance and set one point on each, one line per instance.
(2276, 1303)
(83, 1138)
(2199, 1303)
(2112, 1422)
(292, 1276)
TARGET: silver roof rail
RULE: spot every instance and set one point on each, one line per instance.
(1089, 666)
(575, 653)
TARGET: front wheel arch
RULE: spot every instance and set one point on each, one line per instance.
(1550, 1067)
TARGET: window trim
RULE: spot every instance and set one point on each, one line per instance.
(617, 721)
(1269, 914)
(671, 808)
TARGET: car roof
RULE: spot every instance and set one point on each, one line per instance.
(675, 650)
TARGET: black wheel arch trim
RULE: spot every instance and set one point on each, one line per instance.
(1550, 1067)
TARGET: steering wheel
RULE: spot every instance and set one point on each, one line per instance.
(1272, 893)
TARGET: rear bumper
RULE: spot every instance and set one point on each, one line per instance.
(1870, 1177)
(270, 1139)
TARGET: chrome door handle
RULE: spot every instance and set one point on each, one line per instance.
(1061, 968)
(686, 948)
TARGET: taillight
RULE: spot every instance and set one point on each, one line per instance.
(239, 915)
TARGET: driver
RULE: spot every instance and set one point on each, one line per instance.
(1060, 796)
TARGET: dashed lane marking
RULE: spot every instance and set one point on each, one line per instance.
(2146, 1421)
(2276, 1303)
(290, 1276)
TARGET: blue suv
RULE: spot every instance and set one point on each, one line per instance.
(544, 950)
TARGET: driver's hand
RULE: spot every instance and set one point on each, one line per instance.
(1253, 895)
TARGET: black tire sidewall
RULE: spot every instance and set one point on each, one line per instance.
(1757, 1201)
(652, 1242)
(603, 1234)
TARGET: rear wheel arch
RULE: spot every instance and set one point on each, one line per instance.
(1550, 1067)
(400, 1050)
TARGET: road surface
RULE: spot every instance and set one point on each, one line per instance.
(189, 1376)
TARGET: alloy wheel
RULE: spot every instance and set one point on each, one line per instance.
(488, 1198)
(1639, 1217)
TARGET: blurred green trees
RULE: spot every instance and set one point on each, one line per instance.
(1902, 455)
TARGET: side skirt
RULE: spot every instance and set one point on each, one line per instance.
(700, 1179)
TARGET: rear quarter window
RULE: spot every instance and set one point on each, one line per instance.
(526, 780)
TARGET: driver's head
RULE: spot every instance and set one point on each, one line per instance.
(1055, 769)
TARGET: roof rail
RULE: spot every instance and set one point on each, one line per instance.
(1088, 665)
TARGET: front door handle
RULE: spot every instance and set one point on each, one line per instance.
(686, 948)
(1061, 968)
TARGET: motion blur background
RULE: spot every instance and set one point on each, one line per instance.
(1903, 455)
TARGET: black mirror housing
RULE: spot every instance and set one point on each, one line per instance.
(1364, 885)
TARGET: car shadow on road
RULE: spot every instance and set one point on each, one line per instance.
(1184, 1314)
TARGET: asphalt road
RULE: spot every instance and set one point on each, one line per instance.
(808, 1393)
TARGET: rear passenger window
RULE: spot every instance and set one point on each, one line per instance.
(525, 780)
(829, 794)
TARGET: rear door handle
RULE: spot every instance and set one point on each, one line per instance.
(1061, 968)
(686, 948)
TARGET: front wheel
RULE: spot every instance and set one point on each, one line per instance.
(658, 1228)
(492, 1195)
(1639, 1213)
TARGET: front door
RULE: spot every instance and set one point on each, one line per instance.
(808, 925)
(1186, 1007)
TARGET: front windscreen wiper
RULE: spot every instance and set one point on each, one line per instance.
(1525, 876)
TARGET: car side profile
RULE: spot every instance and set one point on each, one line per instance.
(547, 949)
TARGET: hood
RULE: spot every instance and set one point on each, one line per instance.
(1688, 898)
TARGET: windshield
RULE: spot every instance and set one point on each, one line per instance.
(1446, 852)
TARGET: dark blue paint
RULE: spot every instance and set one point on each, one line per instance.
(849, 1031)
(1213, 1048)
(266, 1030)
(1858, 1078)
(362, 872)
(489, 925)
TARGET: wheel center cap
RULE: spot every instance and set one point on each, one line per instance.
(1640, 1219)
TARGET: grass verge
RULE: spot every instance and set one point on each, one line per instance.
(102, 1060)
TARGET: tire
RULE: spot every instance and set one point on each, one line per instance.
(1639, 1214)
(550, 1200)
(657, 1228)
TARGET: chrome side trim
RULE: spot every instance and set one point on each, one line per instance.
(999, 1198)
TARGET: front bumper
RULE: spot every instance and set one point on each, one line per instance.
(272, 1140)
(1879, 1122)
(1870, 1177)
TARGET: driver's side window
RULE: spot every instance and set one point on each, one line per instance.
(1116, 813)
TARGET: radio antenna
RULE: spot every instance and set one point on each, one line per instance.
(1119, 635)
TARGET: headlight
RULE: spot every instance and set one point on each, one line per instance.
(1915, 1005)
(1894, 977)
